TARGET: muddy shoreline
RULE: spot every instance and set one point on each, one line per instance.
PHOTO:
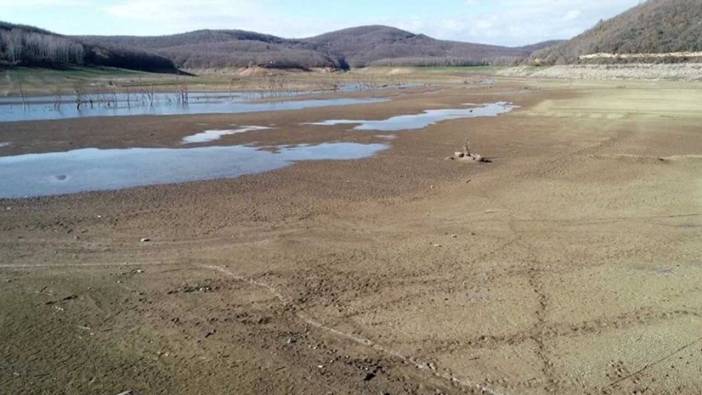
(562, 266)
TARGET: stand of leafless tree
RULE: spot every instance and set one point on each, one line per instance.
(29, 46)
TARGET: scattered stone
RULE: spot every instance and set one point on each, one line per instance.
(291, 340)
(145, 240)
(66, 299)
(200, 288)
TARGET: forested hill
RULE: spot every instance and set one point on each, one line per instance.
(653, 27)
(355, 47)
(384, 45)
(212, 49)
(209, 49)
(30, 46)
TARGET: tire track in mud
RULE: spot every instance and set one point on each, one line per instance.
(552, 331)
(538, 332)
(415, 362)
(48, 266)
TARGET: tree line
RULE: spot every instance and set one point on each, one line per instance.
(20, 47)
(29, 46)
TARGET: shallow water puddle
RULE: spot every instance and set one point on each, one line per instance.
(422, 120)
(45, 108)
(93, 169)
(213, 135)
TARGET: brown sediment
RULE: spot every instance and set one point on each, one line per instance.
(565, 265)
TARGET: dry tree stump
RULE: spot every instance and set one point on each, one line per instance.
(466, 155)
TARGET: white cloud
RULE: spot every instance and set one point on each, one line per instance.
(185, 15)
(572, 15)
(520, 22)
(506, 22)
(19, 4)
(174, 16)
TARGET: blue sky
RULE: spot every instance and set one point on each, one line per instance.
(504, 22)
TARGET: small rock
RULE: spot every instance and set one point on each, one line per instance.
(291, 340)
(145, 240)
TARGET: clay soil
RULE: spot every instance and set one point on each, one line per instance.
(570, 264)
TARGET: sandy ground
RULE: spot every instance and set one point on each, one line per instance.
(570, 264)
(628, 71)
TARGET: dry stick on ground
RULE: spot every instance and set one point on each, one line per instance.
(78, 96)
(21, 92)
(57, 99)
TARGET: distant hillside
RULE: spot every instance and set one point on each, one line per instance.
(30, 46)
(227, 48)
(653, 27)
(383, 45)
(356, 47)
